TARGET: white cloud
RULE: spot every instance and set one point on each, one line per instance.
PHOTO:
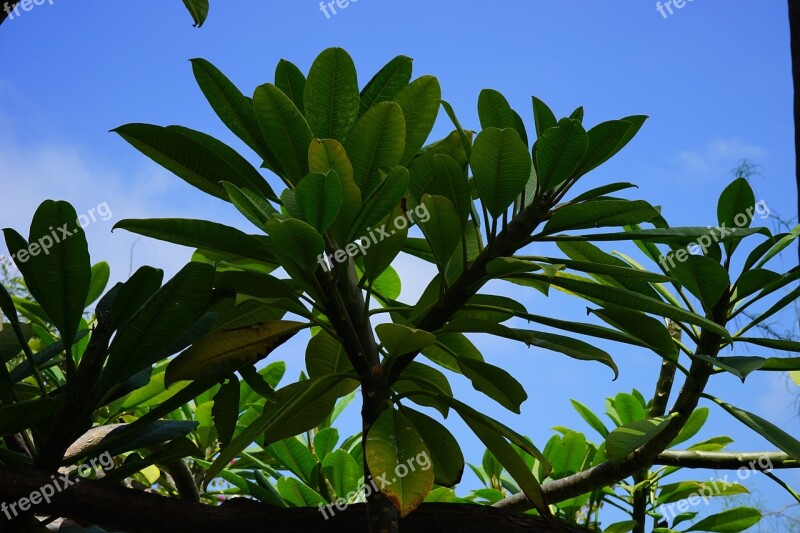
(30, 174)
(719, 155)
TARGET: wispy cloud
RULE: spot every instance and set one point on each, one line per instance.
(719, 155)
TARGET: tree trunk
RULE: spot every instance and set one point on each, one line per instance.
(794, 30)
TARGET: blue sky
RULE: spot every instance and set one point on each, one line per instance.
(714, 78)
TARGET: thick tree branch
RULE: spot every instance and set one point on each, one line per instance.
(120, 509)
(761, 461)
(794, 30)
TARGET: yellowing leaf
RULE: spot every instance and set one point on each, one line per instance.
(226, 351)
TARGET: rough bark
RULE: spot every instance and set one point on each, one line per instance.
(120, 509)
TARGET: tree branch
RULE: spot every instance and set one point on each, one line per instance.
(794, 31)
(727, 460)
(120, 509)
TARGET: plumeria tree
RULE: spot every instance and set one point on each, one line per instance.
(349, 180)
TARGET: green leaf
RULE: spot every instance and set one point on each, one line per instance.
(777, 344)
(383, 252)
(227, 351)
(393, 441)
(625, 439)
(599, 214)
(703, 277)
(101, 272)
(632, 300)
(766, 429)
(779, 246)
(592, 419)
(501, 165)
(291, 81)
(388, 81)
(343, 473)
(606, 139)
(296, 408)
(198, 9)
(60, 266)
(386, 196)
(226, 410)
(419, 377)
(601, 191)
(560, 151)
(133, 293)
(445, 452)
(736, 208)
(329, 155)
(325, 441)
(200, 234)
(647, 329)
(496, 442)
(151, 334)
(730, 521)
(441, 175)
(285, 130)
(629, 409)
(298, 494)
(494, 111)
(296, 457)
(324, 356)
(420, 104)
(568, 456)
(400, 340)
(442, 229)
(543, 116)
(568, 346)
(231, 106)
(253, 206)
(494, 382)
(224, 163)
(298, 246)
(332, 100)
(319, 197)
(376, 142)
(692, 427)
(621, 527)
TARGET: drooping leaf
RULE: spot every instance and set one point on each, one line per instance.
(198, 9)
(445, 452)
(226, 410)
(400, 340)
(392, 442)
(226, 351)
